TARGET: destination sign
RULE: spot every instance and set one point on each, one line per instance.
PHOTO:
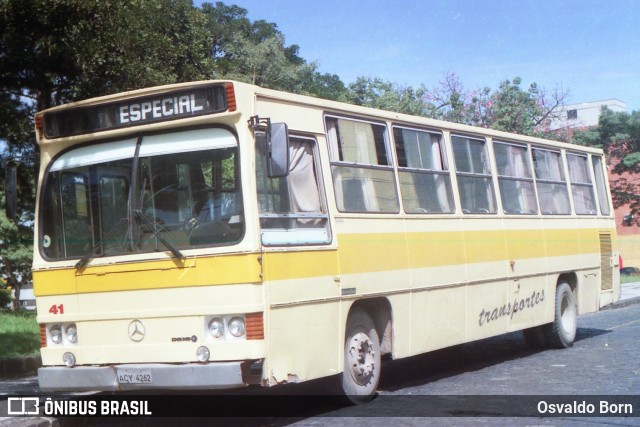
(136, 111)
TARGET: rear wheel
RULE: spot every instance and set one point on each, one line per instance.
(361, 372)
(562, 332)
(535, 337)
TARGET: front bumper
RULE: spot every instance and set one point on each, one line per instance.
(191, 376)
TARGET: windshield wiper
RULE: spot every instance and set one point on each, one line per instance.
(88, 257)
(141, 216)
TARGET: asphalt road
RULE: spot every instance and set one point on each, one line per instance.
(604, 361)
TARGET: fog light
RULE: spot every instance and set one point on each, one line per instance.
(72, 333)
(202, 354)
(55, 333)
(69, 359)
(236, 327)
(216, 328)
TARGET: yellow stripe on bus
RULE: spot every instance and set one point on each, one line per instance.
(357, 253)
(219, 270)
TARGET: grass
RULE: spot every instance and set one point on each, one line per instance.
(19, 334)
(630, 278)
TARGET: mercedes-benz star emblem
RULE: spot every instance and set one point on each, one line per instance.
(136, 330)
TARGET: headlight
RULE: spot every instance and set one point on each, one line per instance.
(202, 354)
(55, 333)
(72, 333)
(69, 359)
(216, 328)
(236, 327)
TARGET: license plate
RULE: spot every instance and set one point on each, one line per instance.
(134, 376)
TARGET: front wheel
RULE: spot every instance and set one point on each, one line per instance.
(361, 358)
(562, 332)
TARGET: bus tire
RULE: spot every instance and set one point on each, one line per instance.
(361, 372)
(562, 332)
(535, 337)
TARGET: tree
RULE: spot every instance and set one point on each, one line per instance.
(16, 250)
(618, 133)
(266, 63)
(326, 86)
(509, 108)
(450, 101)
(385, 95)
(57, 51)
(255, 52)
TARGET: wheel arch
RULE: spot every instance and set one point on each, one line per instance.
(380, 311)
(571, 279)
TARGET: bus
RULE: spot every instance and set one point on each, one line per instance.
(216, 234)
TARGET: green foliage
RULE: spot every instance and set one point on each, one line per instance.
(255, 52)
(265, 63)
(5, 298)
(618, 133)
(509, 108)
(385, 95)
(16, 249)
(513, 109)
(587, 137)
(19, 334)
(56, 51)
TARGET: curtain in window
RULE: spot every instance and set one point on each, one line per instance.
(363, 181)
(424, 191)
(303, 187)
(474, 175)
(516, 181)
(552, 188)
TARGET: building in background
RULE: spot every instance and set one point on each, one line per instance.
(586, 114)
(628, 231)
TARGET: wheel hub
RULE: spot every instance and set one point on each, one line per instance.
(361, 357)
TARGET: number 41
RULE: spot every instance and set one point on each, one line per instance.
(57, 309)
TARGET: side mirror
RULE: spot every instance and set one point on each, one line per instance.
(11, 191)
(277, 150)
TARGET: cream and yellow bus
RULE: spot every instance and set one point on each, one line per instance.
(217, 234)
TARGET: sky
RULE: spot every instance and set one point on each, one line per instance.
(588, 48)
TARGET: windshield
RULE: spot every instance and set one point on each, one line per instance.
(181, 190)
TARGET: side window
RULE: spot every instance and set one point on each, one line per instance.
(474, 175)
(362, 173)
(551, 183)
(292, 209)
(515, 179)
(425, 182)
(581, 185)
(601, 185)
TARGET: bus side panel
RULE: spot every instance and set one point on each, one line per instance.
(531, 301)
(304, 315)
(303, 342)
(373, 256)
(562, 245)
(439, 319)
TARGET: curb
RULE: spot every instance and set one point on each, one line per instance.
(19, 366)
(621, 304)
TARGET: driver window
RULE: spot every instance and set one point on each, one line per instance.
(292, 209)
